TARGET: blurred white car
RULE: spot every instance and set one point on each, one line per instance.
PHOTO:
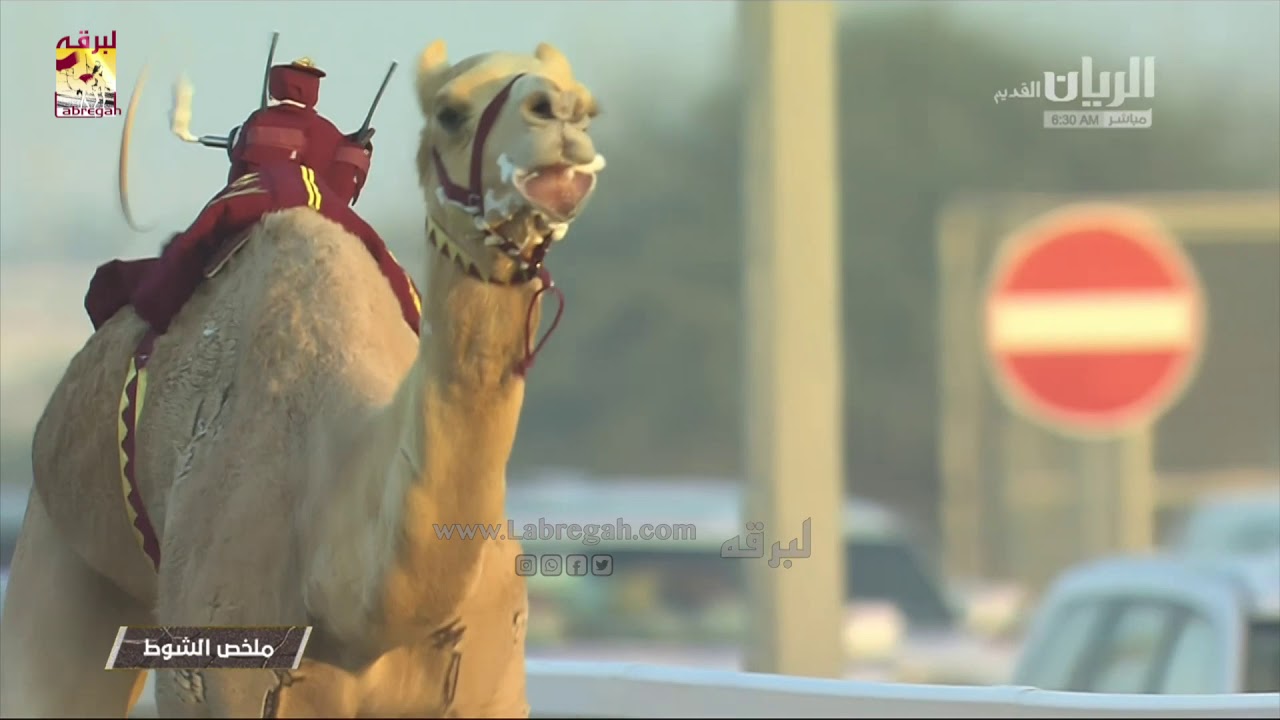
(13, 506)
(679, 602)
(1162, 624)
(1232, 524)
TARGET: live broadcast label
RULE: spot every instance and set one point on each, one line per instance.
(195, 648)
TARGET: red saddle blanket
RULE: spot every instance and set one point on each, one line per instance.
(158, 287)
(112, 286)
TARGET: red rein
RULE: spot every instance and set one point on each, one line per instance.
(532, 349)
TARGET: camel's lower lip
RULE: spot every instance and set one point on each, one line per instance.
(559, 191)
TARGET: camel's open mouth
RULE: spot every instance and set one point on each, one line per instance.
(559, 191)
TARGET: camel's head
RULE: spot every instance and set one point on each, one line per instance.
(505, 158)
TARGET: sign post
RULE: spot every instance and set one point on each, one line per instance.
(1094, 326)
(793, 389)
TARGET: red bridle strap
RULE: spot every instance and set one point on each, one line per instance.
(472, 196)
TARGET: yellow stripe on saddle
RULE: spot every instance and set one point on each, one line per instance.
(313, 190)
(123, 430)
(413, 290)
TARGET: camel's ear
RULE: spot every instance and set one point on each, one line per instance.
(555, 60)
(432, 66)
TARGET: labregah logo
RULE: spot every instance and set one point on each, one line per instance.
(84, 82)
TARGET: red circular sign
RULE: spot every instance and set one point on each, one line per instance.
(1094, 319)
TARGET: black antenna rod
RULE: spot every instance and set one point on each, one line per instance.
(266, 75)
(368, 119)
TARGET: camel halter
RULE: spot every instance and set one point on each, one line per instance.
(471, 198)
(439, 239)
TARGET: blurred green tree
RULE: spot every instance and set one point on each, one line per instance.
(645, 375)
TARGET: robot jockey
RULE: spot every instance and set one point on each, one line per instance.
(285, 155)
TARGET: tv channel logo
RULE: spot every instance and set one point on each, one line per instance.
(526, 565)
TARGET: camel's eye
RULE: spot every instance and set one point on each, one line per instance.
(451, 118)
(542, 108)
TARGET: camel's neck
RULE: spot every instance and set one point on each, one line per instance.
(473, 332)
(383, 568)
(462, 401)
(434, 461)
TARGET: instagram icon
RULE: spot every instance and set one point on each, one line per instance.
(526, 565)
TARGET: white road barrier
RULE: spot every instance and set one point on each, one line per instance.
(622, 690)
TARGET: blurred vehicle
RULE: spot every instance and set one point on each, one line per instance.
(677, 601)
(13, 506)
(1232, 523)
(1164, 624)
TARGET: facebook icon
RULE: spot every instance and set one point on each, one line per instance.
(577, 565)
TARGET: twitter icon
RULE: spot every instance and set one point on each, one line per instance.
(601, 564)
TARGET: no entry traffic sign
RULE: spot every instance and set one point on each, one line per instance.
(1094, 320)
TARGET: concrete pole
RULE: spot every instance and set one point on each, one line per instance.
(1137, 496)
(963, 512)
(794, 390)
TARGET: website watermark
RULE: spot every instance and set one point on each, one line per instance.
(1107, 91)
(600, 564)
(588, 534)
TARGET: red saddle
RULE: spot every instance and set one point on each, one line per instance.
(221, 229)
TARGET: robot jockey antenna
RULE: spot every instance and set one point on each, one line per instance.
(181, 118)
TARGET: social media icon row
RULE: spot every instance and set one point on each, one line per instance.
(555, 565)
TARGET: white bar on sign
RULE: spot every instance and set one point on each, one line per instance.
(1096, 322)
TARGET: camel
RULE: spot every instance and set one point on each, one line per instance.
(90, 86)
(97, 90)
(298, 443)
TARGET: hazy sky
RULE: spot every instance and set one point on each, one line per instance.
(222, 46)
(645, 61)
(675, 48)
